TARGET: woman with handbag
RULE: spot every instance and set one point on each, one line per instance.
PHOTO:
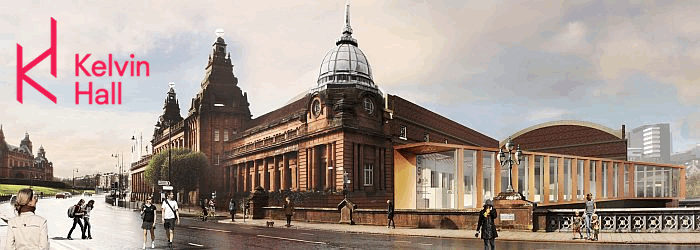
(148, 215)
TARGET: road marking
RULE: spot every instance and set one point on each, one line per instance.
(402, 241)
(215, 230)
(307, 233)
(282, 238)
(426, 244)
(197, 245)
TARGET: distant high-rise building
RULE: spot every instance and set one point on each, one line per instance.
(653, 140)
(690, 159)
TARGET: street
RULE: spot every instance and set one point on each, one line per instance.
(119, 228)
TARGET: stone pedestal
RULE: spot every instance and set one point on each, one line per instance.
(514, 212)
(346, 208)
(258, 200)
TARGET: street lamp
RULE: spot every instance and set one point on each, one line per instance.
(119, 180)
(74, 171)
(506, 158)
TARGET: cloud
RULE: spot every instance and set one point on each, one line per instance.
(572, 38)
(546, 114)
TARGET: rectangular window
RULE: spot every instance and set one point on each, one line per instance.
(488, 173)
(369, 174)
(616, 168)
(605, 180)
(539, 176)
(592, 179)
(567, 179)
(469, 175)
(218, 159)
(523, 176)
(580, 174)
(225, 134)
(402, 132)
(553, 178)
(216, 135)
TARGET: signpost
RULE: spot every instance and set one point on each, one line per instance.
(167, 187)
(163, 183)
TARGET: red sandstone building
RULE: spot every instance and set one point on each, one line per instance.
(387, 148)
(20, 163)
(343, 127)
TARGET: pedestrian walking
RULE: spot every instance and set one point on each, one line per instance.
(86, 217)
(232, 209)
(77, 212)
(27, 230)
(288, 211)
(590, 209)
(578, 223)
(595, 221)
(148, 217)
(487, 226)
(390, 214)
(204, 204)
(170, 216)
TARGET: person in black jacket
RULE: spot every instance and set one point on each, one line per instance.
(390, 214)
(148, 214)
(486, 225)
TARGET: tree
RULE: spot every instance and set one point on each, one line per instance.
(187, 166)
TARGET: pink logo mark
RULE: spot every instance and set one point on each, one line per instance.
(22, 70)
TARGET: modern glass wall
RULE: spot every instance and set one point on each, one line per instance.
(553, 179)
(437, 180)
(567, 179)
(579, 173)
(605, 180)
(616, 169)
(592, 179)
(435, 187)
(469, 174)
(523, 176)
(504, 177)
(488, 175)
(539, 178)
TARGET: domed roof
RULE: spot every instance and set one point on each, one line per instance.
(345, 63)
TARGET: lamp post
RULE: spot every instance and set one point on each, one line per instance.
(506, 158)
(119, 178)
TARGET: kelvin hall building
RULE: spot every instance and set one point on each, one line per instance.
(346, 145)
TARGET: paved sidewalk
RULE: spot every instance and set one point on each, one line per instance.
(627, 238)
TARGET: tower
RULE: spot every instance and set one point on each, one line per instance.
(26, 144)
(219, 112)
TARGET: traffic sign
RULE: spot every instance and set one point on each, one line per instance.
(163, 183)
(167, 187)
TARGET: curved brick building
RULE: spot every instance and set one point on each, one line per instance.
(570, 137)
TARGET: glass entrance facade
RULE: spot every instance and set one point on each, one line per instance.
(463, 177)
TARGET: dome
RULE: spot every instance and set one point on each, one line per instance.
(345, 63)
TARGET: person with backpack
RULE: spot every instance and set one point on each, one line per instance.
(87, 208)
(76, 213)
(148, 216)
(170, 216)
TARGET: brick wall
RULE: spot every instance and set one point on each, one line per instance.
(573, 140)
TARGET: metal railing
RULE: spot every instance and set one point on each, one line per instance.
(624, 220)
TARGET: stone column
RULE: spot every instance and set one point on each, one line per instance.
(275, 175)
(265, 174)
(254, 178)
(284, 183)
(329, 166)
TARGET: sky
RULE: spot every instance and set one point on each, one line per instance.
(494, 66)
